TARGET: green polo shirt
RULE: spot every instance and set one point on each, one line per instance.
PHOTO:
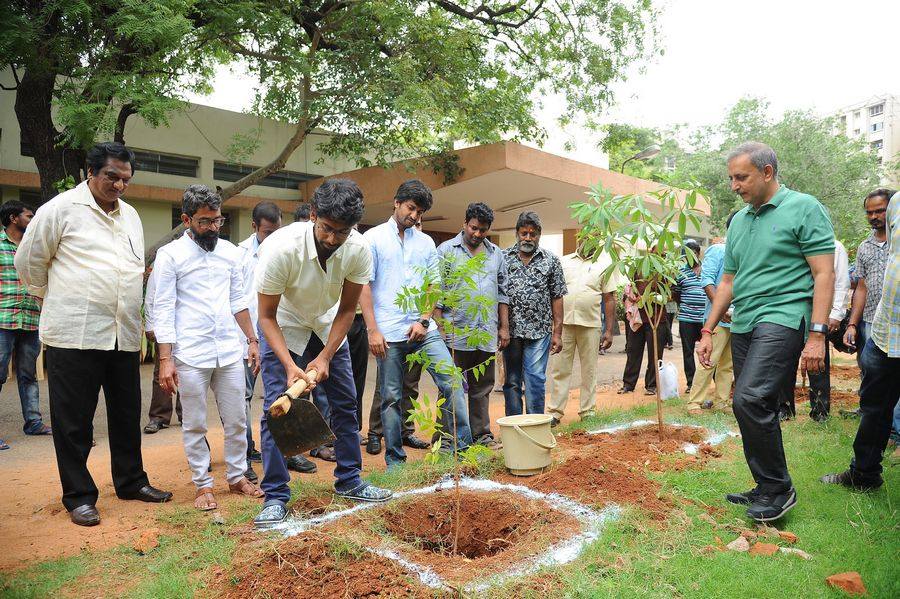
(766, 252)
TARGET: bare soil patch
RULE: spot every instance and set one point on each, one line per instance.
(845, 372)
(839, 397)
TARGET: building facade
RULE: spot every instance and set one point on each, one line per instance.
(876, 121)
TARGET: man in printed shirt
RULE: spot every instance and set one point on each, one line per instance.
(691, 306)
(880, 359)
(535, 288)
(590, 293)
(779, 270)
(19, 316)
(199, 297)
(83, 253)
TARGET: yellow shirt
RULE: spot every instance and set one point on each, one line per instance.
(583, 304)
(88, 266)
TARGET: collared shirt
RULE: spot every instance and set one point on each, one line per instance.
(871, 260)
(585, 283)
(197, 295)
(841, 281)
(886, 324)
(289, 266)
(490, 283)
(531, 289)
(397, 264)
(89, 268)
(249, 259)
(19, 309)
(766, 251)
(711, 270)
(693, 299)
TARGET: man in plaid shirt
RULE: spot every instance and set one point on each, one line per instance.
(19, 315)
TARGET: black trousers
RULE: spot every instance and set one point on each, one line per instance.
(75, 377)
(764, 359)
(879, 393)
(635, 342)
(820, 388)
(479, 392)
(358, 339)
(690, 335)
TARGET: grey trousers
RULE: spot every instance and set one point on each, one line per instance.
(479, 391)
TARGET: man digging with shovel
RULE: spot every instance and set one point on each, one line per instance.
(309, 279)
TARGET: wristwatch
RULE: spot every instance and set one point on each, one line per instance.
(817, 327)
(252, 340)
(425, 322)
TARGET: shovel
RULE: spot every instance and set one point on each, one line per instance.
(295, 423)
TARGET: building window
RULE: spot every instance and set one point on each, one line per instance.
(165, 164)
(877, 145)
(856, 132)
(856, 115)
(876, 110)
(844, 122)
(876, 127)
(229, 171)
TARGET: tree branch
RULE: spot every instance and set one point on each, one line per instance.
(126, 111)
(489, 16)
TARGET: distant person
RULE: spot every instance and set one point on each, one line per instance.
(160, 411)
(535, 288)
(639, 340)
(83, 253)
(691, 308)
(779, 273)
(880, 361)
(20, 314)
(301, 214)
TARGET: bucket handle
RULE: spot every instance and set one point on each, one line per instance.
(533, 440)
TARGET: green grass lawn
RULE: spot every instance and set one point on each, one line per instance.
(843, 531)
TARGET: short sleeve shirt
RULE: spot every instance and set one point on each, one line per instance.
(693, 298)
(586, 284)
(531, 289)
(289, 266)
(886, 324)
(766, 251)
(871, 260)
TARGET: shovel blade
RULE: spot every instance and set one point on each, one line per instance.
(300, 430)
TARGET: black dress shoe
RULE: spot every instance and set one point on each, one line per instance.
(300, 464)
(373, 447)
(415, 442)
(85, 515)
(149, 494)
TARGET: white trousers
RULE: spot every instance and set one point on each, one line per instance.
(228, 385)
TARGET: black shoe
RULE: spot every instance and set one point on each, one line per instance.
(745, 498)
(415, 442)
(784, 416)
(373, 447)
(300, 464)
(323, 452)
(251, 474)
(154, 426)
(554, 422)
(253, 455)
(149, 494)
(85, 515)
(770, 506)
(819, 417)
(687, 390)
(847, 479)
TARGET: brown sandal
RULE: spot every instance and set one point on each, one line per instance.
(246, 488)
(205, 500)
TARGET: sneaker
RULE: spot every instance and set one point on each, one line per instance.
(847, 479)
(415, 442)
(273, 512)
(770, 506)
(251, 474)
(300, 464)
(3, 445)
(253, 455)
(323, 452)
(366, 492)
(554, 422)
(154, 426)
(745, 498)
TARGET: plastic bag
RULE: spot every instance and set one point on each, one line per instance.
(668, 380)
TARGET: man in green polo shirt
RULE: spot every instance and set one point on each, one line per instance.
(779, 275)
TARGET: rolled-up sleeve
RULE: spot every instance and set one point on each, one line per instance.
(163, 306)
(237, 297)
(38, 246)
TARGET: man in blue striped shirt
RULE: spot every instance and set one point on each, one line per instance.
(691, 308)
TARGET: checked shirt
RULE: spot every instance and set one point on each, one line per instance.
(18, 309)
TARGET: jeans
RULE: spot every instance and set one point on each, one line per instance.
(338, 392)
(526, 362)
(393, 367)
(765, 359)
(27, 347)
(877, 399)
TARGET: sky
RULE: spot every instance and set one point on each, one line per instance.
(808, 54)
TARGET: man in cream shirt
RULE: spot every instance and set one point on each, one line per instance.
(590, 292)
(83, 253)
(308, 280)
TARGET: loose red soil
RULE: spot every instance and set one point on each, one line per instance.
(839, 398)
(845, 372)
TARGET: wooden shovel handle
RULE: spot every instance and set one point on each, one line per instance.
(281, 405)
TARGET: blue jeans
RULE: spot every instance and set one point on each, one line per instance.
(338, 392)
(27, 347)
(526, 362)
(393, 367)
(877, 399)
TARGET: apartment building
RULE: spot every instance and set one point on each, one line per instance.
(877, 122)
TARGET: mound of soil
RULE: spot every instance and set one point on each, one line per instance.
(310, 565)
(489, 523)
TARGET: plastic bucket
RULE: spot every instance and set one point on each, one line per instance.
(527, 441)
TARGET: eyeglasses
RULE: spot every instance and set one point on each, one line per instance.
(339, 233)
(876, 211)
(206, 222)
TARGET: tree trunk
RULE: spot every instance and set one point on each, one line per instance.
(54, 160)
